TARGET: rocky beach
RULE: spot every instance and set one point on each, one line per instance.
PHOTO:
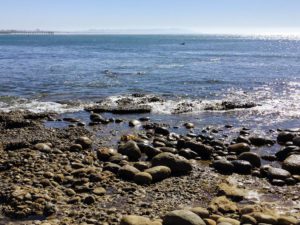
(149, 130)
(132, 170)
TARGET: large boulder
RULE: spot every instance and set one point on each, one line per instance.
(182, 217)
(131, 149)
(292, 164)
(159, 173)
(176, 163)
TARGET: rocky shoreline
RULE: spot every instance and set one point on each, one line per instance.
(90, 173)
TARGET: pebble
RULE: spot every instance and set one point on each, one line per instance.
(99, 191)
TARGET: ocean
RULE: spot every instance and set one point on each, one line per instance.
(66, 73)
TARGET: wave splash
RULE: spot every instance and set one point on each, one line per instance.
(262, 103)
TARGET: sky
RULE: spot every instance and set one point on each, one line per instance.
(201, 16)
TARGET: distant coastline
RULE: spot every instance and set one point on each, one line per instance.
(26, 32)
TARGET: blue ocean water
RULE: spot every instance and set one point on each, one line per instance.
(42, 72)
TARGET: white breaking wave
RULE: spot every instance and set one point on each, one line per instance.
(280, 108)
(39, 106)
(271, 105)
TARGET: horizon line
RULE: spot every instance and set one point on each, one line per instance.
(154, 31)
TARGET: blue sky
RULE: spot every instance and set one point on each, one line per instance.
(207, 16)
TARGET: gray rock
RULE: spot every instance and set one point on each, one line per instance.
(97, 118)
(188, 153)
(131, 149)
(182, 217)
(243, 139)
(189, 125)
(133, 123)
(112, 167)
(223, 166)
(277, 173)
(117, 158)
(176, 163)
(76, 148)
(204, 151)
(85, 142)
(149, 150)
(137, 220)
(128, 172)
(201, 212)
(168, 149)
(162, 130)
(121, 109)
(242, 166)
(292, 164)
(141, 165)
(285, 137)
(259, 141)
(286, 151)
(251, 157)
(224, 223)
(296, 141)
(43, 147)
(239, 148)
(143, 178)
(104, 154)
(159, 173)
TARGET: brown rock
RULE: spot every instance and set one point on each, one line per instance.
(223, 205)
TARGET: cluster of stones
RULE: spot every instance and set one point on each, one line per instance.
(63, 170)
(223, 210)
(248, 215)
(37, 190)
(243, 161)
(171, 152)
